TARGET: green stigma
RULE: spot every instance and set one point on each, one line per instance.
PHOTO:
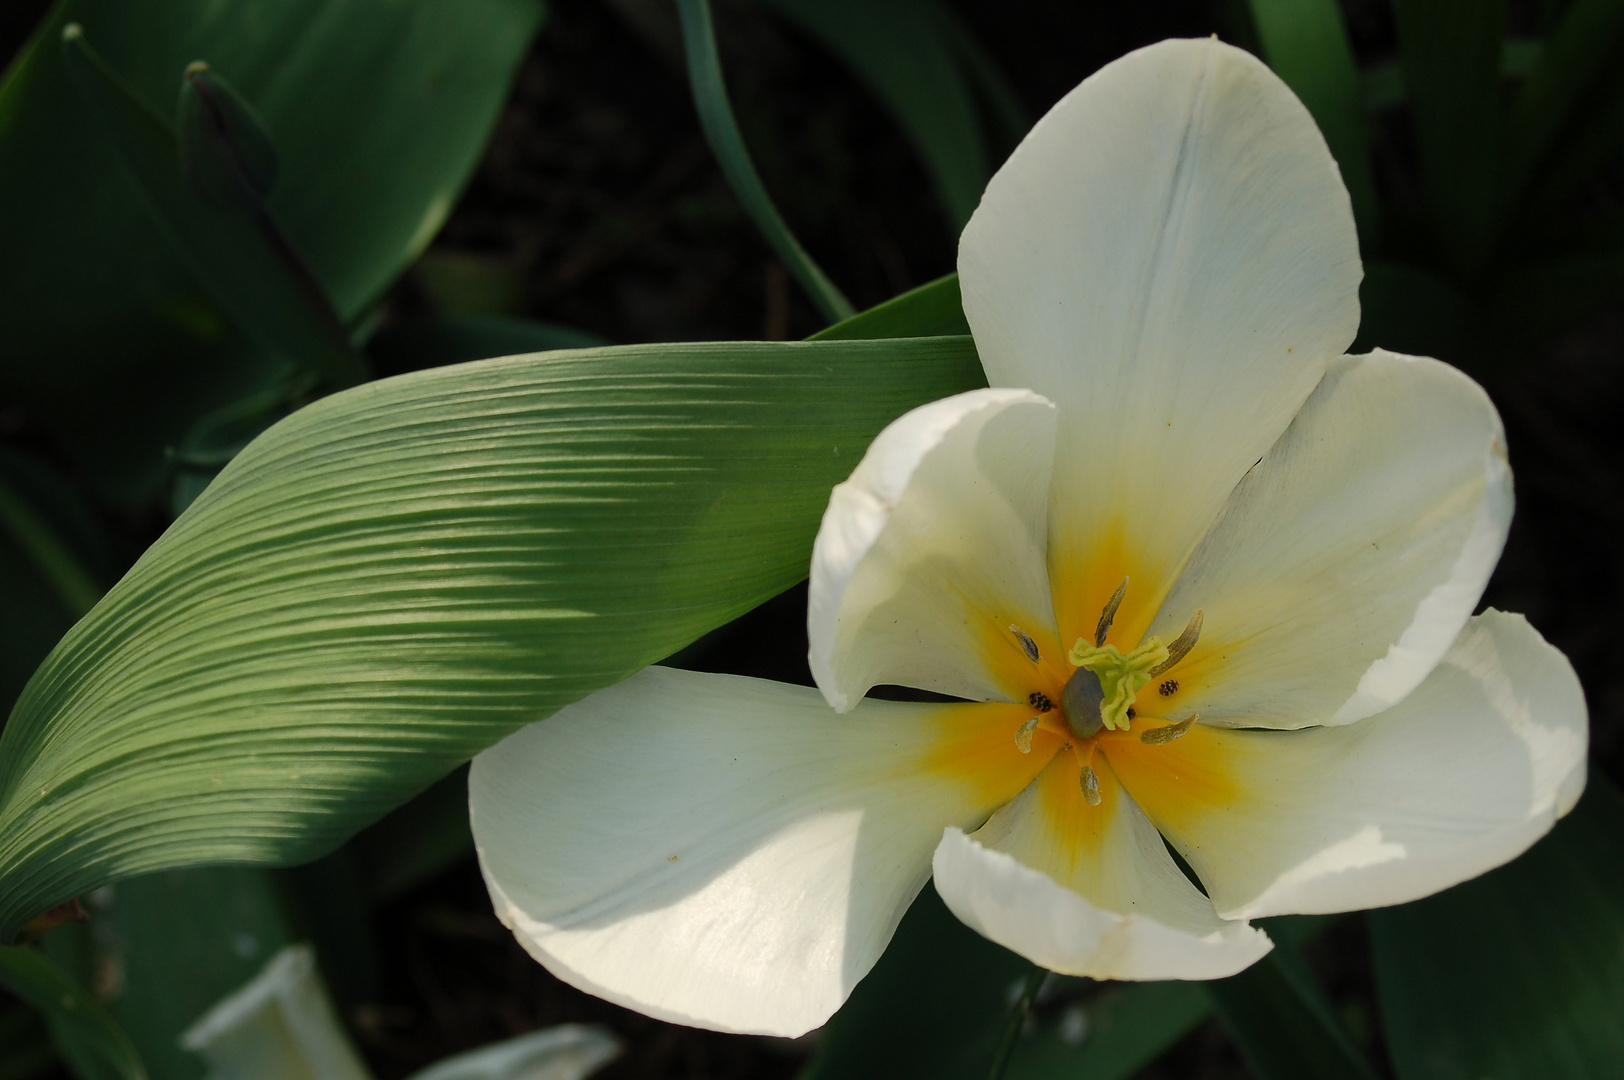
(1121, 676)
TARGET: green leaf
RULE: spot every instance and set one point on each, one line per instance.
(25, 1046)
(416, 842)
(379, 110)
(1307, 45)
(1518, 974)
(931, 309)
(1282, 1022)
(1574, 55)
(933, 1006)
(397, 576)
(83, 1030)
(1451, 51)
(165, 948)
(230, 244)
(1111, 1034)
(727, 143)
(226, 153)
(924, 67)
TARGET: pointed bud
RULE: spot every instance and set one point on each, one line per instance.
(226, 153)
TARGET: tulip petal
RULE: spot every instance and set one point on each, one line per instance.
(933, 550)
(1345, 564)
(1170, 257)
(728, 852)
(1462, 775)
(1087, 890)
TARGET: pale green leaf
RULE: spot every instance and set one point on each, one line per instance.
(396, 576)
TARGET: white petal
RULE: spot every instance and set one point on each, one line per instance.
(1346, 563)
(565, 1052)
(1170, 257)
(1462, 775)
(281, 1023)
(933, 549)
(727, 852)
(1087, 890)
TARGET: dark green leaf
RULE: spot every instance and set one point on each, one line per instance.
(1306, 44)
(25, 1046)
(226, 153)
(934, 1006)
(1450, 51)
(1519, 974)
(1110, 1034)
(397, 576)
(230, 244)
(165, 948)
(84, 1032)
(415, 842)
(1280, 1019)
(722, 132)
(379, 109)
(931, 309)
(1575, 54)
(913, 55)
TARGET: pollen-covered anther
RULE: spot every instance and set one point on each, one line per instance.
(1023, 735)
(1156, 736)
(1108, 616)
(1028, 646)
(1091, 786)
(1181, 646)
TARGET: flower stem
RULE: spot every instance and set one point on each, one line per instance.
(1017, 1019)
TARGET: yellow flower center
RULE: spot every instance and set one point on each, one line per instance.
(1118, 680)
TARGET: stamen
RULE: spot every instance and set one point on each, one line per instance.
(1028, 646)
(1156, 736)
(1109, 614)
(1023, 736)
(1181, 646)
(1091, 786)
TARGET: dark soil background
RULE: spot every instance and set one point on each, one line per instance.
(598, 205)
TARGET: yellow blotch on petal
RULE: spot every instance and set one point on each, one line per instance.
(1084, 572)
(1180, 781)
(974, 744)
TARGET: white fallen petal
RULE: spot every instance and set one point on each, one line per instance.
(1170, 257)
(1461, 776)
(933, 549)
(565, 1052)
(1346, 563)
(281, 1026)
(728, 852)
(1087, 890)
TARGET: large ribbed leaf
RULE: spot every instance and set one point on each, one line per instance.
(396, 576)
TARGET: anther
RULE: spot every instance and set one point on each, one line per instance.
(1023, 736)
(1156, 736)
(1168, 688)
(1181, 646)
(1039, 701)
(1028, 646)
(1091, 786)
(1109, 614)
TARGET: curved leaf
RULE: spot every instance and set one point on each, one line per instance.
(395, 577)
(81, 1028)
(379, 108)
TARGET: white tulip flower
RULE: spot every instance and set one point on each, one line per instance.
(1198, 575)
